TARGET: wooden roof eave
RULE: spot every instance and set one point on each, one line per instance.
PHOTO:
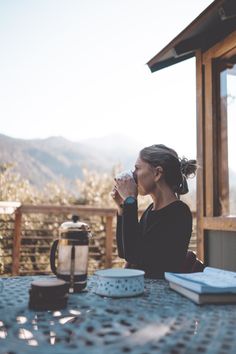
(212, 25)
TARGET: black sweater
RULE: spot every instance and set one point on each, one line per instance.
(159, 242)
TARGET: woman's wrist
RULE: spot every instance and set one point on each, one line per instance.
(120, 210)
(130, 199)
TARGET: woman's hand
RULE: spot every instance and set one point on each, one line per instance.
(126, 187)
(117, 199)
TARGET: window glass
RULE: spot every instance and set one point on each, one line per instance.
(228, 111)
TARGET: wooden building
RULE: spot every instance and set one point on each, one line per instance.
(211, 38)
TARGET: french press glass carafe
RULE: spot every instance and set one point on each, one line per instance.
(72, 249)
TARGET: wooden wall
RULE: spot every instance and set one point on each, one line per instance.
(214, 224)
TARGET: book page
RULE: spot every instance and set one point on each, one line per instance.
(213, 277)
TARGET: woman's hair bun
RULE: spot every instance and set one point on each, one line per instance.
(188, 167)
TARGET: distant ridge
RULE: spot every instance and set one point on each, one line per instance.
(44, 160)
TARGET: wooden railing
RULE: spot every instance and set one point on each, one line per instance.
(82, 211)
(85, 212)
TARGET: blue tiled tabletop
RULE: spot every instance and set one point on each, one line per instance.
(159, 321)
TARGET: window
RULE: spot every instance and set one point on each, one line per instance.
(227, 126)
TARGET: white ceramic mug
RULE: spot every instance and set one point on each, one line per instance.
(125, 174)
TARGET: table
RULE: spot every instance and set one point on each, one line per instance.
(159, 321)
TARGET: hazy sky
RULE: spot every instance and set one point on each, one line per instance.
(77, 68)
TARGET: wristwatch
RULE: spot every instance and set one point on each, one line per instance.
(130, 200)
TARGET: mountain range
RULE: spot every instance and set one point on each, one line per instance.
(44, 160)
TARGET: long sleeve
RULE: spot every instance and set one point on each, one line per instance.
(166, 240)
(157, 243)
(119, 238)
(128, 233)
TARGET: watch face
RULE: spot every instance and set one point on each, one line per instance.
(130, 200)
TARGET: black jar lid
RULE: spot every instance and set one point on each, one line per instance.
(48, 294)
(50, 286)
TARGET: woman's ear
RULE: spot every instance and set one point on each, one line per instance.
(158, 173)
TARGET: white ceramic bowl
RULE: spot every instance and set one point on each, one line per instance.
(119, 282)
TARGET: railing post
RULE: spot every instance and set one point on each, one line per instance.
(16, 242)
(109, 242)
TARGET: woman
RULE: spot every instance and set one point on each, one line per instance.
(159, 242)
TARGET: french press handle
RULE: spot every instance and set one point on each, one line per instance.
(53, 256)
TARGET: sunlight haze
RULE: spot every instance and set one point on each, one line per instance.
(78, 69)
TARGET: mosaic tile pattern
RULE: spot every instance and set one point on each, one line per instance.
(158, 321)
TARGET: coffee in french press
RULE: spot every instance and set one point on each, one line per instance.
(72, 260)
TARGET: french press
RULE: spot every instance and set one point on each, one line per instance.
(72, 247)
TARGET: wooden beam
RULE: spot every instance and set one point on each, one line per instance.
(16, 242)
(222, 47)
(70, 209)
(220, 223)
(83, 210)
(208, 141)
(109, 242)
(200, 153)
(223, 172)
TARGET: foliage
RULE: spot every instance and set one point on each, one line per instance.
(14, 188)
(95, 188)
(37, 229)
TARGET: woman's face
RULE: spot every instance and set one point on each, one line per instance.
(145, 176)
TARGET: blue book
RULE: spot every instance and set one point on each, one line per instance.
(210, 281)
(213, 298)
